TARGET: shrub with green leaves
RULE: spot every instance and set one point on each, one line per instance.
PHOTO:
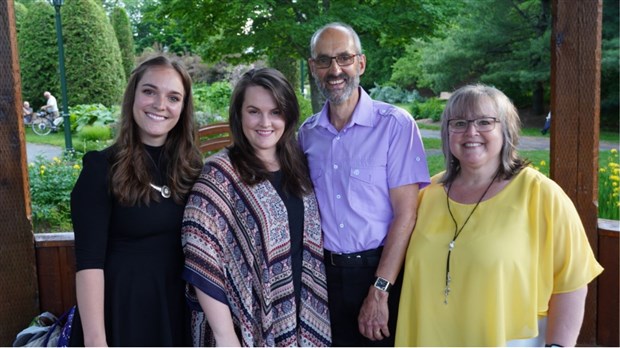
(122, 29)
(432, 108)
(608, 186)
(211, 101)
(38, 54)
(92, 55)
(394, 95)
(93, 115)
(51, 182)
(94, 133)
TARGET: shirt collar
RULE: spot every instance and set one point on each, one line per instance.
(362, 114)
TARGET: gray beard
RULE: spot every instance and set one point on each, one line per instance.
(351, 85)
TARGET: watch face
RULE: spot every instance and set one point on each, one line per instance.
(381, 284)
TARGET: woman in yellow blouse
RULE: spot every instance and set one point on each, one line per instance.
(499, 256)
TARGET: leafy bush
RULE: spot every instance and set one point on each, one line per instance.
(431, 108)
(608, 190)
(93, 115)
(51, 183)
(38, 54)
(211, 102)
(394, 95)
(94, 133)
(305, 107)
(92, 55)
(122, 30)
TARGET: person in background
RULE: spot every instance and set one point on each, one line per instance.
(27, 113)
(498, 256)
(127, 208)
(51, 105)
(251, 230)
(367, 163)
(547, 125)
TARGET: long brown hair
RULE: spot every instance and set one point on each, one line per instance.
(131, 176)
(295, 178)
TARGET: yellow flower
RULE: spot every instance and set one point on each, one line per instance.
(614, 164)
(42, 167)
(76, 166)
(614, 184)
(614, 151)
(543, 163)
(42, 171)
(602, 170)
(614, 178)
(56, 159)
(538, 169)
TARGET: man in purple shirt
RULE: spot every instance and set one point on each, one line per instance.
(367, 163)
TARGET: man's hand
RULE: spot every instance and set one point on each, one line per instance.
(373, 318)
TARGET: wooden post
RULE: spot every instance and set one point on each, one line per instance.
(575, 104)
(18, 282)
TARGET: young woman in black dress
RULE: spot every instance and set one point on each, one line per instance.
(127, 207)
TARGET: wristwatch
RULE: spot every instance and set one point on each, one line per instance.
(382, 284)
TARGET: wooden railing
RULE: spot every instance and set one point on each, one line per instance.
(214, 137)
(56, 272)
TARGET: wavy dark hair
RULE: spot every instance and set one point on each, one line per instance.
(465, 101)
(131, 176)
(295, 178)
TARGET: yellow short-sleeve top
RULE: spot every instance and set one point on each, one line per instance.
(518, 248)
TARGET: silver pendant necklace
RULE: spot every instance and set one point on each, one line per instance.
(457, 232)
(163, 190)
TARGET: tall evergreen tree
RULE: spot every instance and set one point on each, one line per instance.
(38, 54)
(92, 55)
(122, 29)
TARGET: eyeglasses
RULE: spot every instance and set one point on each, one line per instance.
(485, 124)
(324, 62)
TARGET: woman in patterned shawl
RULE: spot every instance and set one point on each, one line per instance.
(251, 230)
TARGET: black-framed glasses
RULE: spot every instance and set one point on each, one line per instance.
(484, 124)
(324, 62)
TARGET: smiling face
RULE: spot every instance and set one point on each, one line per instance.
(337, 83)
(158, 104)
(262, 121)
(475, 149)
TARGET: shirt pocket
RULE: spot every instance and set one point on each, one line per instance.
(368, 191)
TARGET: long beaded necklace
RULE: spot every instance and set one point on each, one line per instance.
(163, 190)
(457, 232)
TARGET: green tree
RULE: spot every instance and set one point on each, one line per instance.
(251, 30)
(504, 43)
(92, 55)
(20, 13)
(38, 54)
(124, 36)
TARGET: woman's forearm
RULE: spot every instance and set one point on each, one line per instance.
(565, 317)
(89, 285)
(220, 320)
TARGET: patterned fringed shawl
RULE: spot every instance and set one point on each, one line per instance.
(237, 250)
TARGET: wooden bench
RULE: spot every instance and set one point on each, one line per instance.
(214, 137)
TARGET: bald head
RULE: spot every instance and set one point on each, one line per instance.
(335, 26)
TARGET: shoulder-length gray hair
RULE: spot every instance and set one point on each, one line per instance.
(465, 101)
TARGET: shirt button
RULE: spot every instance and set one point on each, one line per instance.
(356, 172)
(338, 196)
(335, 166)
(417, 159)
(341, 225)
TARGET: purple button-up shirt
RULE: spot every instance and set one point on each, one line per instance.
(354, 169)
